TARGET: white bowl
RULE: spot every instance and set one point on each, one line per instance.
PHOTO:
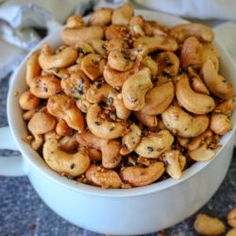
(122, 211)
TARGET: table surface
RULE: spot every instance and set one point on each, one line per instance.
(22, 212)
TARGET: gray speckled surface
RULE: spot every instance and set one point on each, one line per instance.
(22, 213)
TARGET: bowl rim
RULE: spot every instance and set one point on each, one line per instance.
(92, 190)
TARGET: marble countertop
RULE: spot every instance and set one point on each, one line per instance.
(22, 212)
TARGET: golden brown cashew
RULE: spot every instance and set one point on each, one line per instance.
(216, 83)
(158, 98)
(101, 17)
(83, 104)
(71, 36)
(117, 32)
(92, 65)
(62, 129)
(28, 114)
(75, 22)
(63, 162)
(135, 88)
(146, 44)
(168, 64)
(130, 140)
(45, 86)
(99, 46)
(183, 31)
(151, 64)
(68, 144)
(191, 53)
(141, 176)
(154, 144)
(209, 51)
(64, 58)
(148, 120)
(76, 84)
(115, 99)
(110, 149)
(94, 154)
(184, 124)
(120, 60)
(115, 44)
(226, 107)
(202, 153)
(28, 101)
(122, 14)
(32, 67)
(196, 103)
(152, 28)
(175, 163)
(37, 141)
(103, 128)
(231, 218)
(63, 107)
(220, 124)
(116, 78)
(137, 26)
(102, 177)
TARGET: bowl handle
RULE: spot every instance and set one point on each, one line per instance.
(13, 165)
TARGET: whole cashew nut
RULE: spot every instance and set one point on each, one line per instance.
(130, 140)
(148, 120)
(64, 58)
(65, 163)
(28, 101)
(135, 88)
(101, 17)
(63, 107)
(220, 124)
(45, 86)
(203, 153)
(183, 31)
(226, 107)
(216, 83)
(123, 14)
(154, 144)
(103, 178)
(184, 124)
(196, 103)
(103, 128)
(140, 176)
(110, 149)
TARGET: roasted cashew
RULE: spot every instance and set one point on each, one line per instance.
(115, 44)
(209, 51)
(168, 64)
(75, 22)
(63, 107)
(137, 26)
(122, 15)
(62, 128)
(84, 48)
(135, 88)
(151, 64)
(202, 153)
(220, 124)
(96, 94)
(28, 114)
(197, 83)
(76, 84)
(32, 67)
(94, 154)
(103, 128)
(64, 58)
(196, 103)
(68, 144)
(152, 28)
(183, 124)
(130, 140)
(120, 60)
(52, 135)
(103, 178)
(183, 31)
(110, 149)
(41, 123)
(71, 36)
(141, 176)
(101, 17)
(117, 32)
(191, 53)
(183, 141)
(216, 83)
(146, 45)
(154, 144)
(116, 78)
(92, 65)
(115, 99)
(99, 46)
(148, 120)
(231, 218)
(158, 99)
(63, 162)
(83, 104)
(45, 86)
(226, 107)
(28, 101)
(37, 141)
(175, 163)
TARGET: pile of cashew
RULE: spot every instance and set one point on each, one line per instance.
(125, 100)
